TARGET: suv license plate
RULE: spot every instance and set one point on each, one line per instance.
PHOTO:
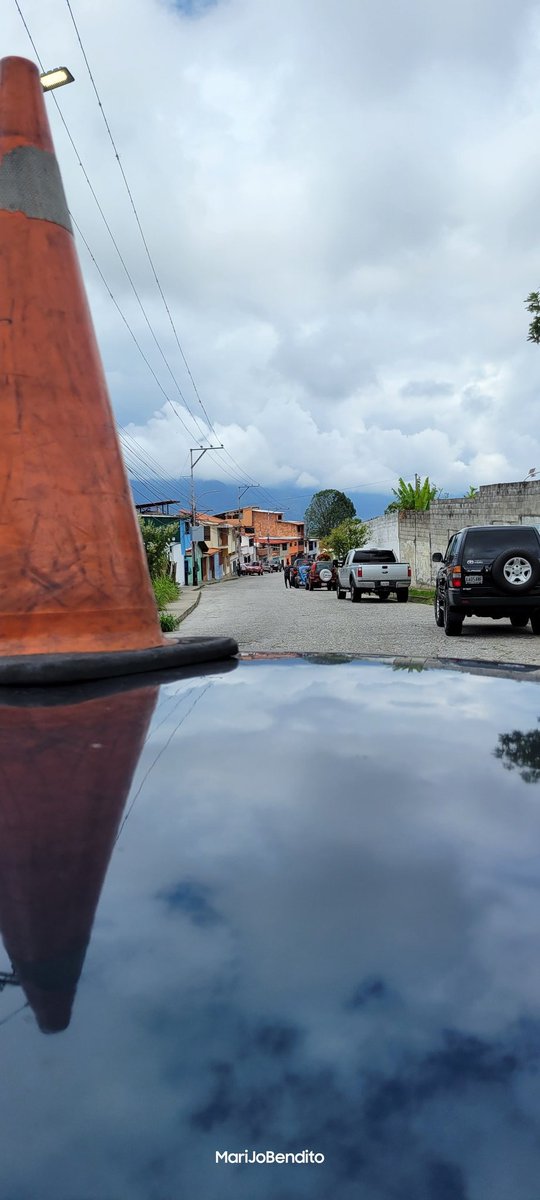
(383, 584)
(474, 579)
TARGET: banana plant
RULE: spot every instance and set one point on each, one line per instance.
(413, 496)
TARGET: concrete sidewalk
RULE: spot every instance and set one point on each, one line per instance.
(187, 601)
(190, 596)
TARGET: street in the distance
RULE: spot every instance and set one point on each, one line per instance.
(263, 615)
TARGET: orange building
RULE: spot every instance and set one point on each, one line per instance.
(268, 533)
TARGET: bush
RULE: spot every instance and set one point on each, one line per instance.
(168, 622)
(347, 536)
(165, 590)
(157, 540)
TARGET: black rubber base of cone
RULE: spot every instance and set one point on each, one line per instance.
(41, 670)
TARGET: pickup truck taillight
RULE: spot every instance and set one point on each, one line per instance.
(359, 572)
(456, 577)
(409, 572)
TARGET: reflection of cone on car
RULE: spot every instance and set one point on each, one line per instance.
(66, 764)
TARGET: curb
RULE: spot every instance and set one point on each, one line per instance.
(187, 611)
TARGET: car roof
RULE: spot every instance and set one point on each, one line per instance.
(488, 528)
(155, 932)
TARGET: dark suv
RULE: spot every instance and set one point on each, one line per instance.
(489, 571)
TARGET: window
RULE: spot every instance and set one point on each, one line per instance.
(450, 549)
(374, 556)
(207, 533)
(487, 544)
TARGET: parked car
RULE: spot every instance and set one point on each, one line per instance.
(375, 572)
(300, 572)
(489, 571)
(254, 568)
(322, 574)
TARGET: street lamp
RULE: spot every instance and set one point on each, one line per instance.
(55, 78)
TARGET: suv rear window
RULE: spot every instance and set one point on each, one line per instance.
(488, 543)
(374, 556)
(323, 566)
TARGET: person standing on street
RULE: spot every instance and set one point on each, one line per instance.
(287, 575)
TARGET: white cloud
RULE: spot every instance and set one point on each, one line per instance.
(343, 215)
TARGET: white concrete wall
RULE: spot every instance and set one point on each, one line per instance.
(177, 557)
(384, 533)
(421, 534)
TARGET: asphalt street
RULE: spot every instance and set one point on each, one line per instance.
(261, 614)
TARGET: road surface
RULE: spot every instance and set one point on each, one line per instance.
(263, 615)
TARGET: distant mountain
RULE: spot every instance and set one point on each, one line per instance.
(215, 496)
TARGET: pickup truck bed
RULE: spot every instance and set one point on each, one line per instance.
(374, 572)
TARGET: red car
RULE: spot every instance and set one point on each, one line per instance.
(322, 574)
(252, 569)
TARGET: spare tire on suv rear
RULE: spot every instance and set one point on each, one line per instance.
(516, 571)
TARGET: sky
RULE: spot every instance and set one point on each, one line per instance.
(341, 205)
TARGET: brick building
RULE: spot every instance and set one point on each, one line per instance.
(265, 533)
(415, 536)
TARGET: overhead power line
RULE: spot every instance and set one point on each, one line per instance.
(200, 434)
(151, 261)
(128, 327)
(135, 449)
(154, 490)
(136, 215)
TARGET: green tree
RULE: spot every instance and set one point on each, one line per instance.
(532, 304)
(349, 535)
(521, 752)
(472, 492)
(416, 496)
(326, 510)
(157, 539)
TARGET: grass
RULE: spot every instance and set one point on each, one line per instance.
(169, 623)
(165, 590)
(422, 595)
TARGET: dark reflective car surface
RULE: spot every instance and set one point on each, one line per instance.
(287, 906)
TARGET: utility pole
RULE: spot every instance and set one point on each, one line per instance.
(243, 488)
(193, 463)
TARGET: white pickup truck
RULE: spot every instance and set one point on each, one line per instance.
(375, 572)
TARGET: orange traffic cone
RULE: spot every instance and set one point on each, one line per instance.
(66, 771)
(75, 595)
